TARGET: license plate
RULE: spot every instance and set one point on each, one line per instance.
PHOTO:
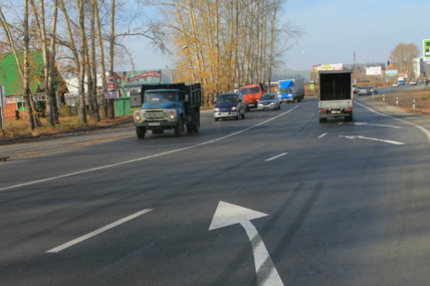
(335, 111)
(154, 124)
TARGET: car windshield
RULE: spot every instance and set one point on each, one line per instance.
(160, 97)
(226, 98)
(362, 87)
(270, 96)
(285, 90)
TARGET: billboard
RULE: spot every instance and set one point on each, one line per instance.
(328, 67)
(426, 50)
(373, 70)
(142, 76)
(391, 73)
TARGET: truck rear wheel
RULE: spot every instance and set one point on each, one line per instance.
(140, 132)
(194, 125)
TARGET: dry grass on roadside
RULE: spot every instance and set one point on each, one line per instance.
(19, 128)
(404, 100)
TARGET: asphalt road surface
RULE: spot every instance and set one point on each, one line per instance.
(275, 199)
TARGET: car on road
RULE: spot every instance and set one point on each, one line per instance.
(229, 105)
(373, 89)
(269, 101)
(363, 90)
(413, 82)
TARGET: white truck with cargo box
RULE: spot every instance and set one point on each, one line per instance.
(335, 97)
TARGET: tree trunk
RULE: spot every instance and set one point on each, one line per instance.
(26, 78)
(101, 56)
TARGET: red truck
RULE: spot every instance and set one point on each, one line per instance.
(251, 94)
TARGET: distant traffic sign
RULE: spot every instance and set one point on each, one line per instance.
(426, 50)
(111, 86)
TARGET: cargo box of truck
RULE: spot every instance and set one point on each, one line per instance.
(335, 98)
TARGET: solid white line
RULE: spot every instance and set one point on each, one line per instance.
(378, 125)
(144, 158)
(373, 139)
(424, 130)
(276, 157)
(322, 135)
(98, 231)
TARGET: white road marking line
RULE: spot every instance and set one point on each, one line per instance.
(143, 158)
(98, 231)
(276, 157)
(228, 214)
(378, 125)
(322, 135)
(373, 139)
(424, 130)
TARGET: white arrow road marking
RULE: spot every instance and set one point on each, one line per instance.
(276, 157)
(98, 231)
(378, 125)
(228, 214)
(373, 139)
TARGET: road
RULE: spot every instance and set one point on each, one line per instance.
(275, 199)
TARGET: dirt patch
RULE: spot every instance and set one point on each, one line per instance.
(411, 101)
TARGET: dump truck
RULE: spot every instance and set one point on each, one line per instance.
(171, 106)
(335, 97)
(290, 90)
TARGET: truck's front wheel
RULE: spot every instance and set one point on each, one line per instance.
(140, 132)
(179, 127)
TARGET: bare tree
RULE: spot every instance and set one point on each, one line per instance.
(402, 57)
(26, 77)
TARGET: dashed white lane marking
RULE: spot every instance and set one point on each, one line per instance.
(98, 231)
(276, 157)
(146, 157)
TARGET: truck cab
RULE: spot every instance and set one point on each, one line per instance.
(251, 94)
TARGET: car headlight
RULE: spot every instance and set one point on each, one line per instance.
(216, 109)
(233, 108)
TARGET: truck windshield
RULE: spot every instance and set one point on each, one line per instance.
(159, 97)
(285, 90)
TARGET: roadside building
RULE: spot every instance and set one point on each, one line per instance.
(14, 88)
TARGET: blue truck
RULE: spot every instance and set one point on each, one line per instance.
(291, 90)
(168, 106)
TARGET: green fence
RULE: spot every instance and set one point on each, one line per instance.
(121, 106)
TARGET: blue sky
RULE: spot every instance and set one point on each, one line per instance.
(334, 29)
